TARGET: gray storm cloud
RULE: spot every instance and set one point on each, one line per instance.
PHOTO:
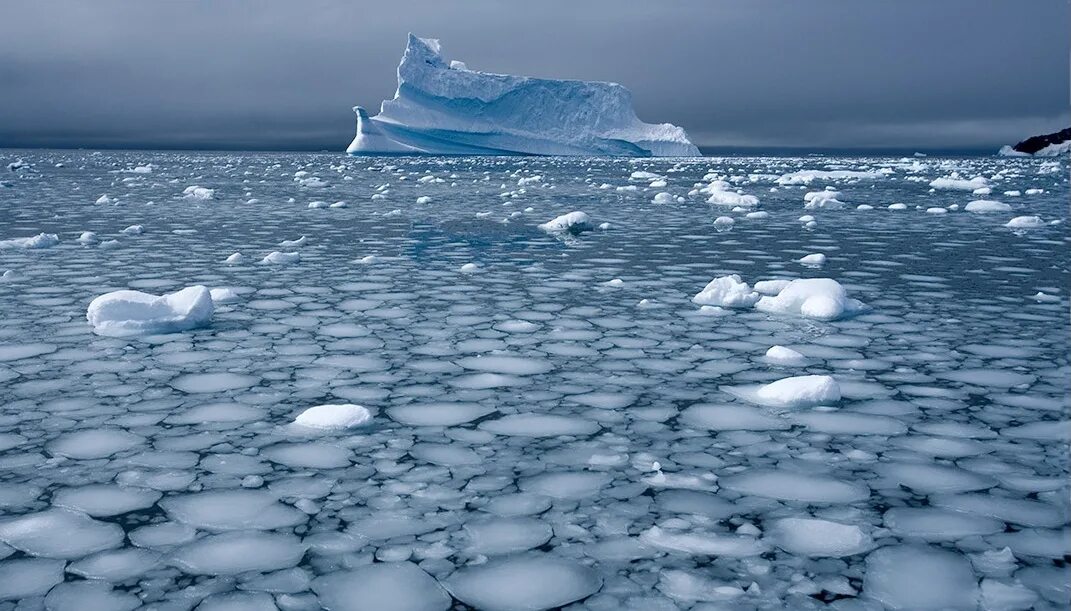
(270, 75)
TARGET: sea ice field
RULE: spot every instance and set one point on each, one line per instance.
(246, 381)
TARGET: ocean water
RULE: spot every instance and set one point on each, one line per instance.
(554, 421)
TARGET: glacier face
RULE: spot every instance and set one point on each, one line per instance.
(444, 108)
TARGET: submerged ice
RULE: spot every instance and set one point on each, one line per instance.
(445, 405)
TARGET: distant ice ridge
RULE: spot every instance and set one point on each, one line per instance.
(444, 108)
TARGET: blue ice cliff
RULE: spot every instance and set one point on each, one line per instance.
(444, 108)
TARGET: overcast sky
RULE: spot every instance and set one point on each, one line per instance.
(911, 74)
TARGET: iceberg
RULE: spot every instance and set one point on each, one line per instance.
(444, 108)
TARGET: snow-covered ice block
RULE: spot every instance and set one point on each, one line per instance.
(819, 298)
(1025, 222)
(133, 312)
(198, 193)
(440, 110)
(41, 240)
(780, 355)
(813, 260)
(573, 223)
(983, 206)
(796, 391)
(280, 258)
(956, 183)
(341, 416)
(727, 292)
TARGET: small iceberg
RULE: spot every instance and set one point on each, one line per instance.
(342, 416)
(819, 298)
(727, 292)
(122, 313)
(573, 223)
(41, 240)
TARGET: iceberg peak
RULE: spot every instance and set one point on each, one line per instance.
(446, 108)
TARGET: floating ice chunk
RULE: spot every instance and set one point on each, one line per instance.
(933, 524)
(849, 423)
(573, 223)
(368, 259)
(438, 414)
(806, 177)
(25, 578)
(821, 538)
(385, 586)
(90, 596)
(41, 240)
(1025, 222)
(982, 191)
(729, 417)
(342, 416)
(199, 193)
(1041, 297)
(60, 533)
(132, 312)
(779, 355)
(957, 183)
(539, 425)
(298, 243)
(235, 259)
(981, 206)
(703, 543)
(759, 214)
(819, 298)
(724, 222)
(822, 200)
(88, 444)
(1017, 511)
(569, 485)
(523, 583)
(223, 295)
(720, 195)
(615, 282)
(308, 455)
(239, 552)
(512, 365)
(423, 199)
(690, 587)
(87, 237)
(920, 577)
(317, 204)
(469, 268)
(792, 486)
(212, 382)
(133, 230)
(793, 392)
(506, 535)
(813, 260)
(281, 258)
(109, 244)
(100, 500)
(116, 565)
(897, 206)
(864, 207)
(235, 509)
(727, 292)
(104, 200)
(663, 198)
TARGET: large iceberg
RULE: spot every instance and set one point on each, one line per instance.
(444, 108)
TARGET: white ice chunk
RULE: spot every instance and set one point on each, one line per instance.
(127, 312)
(780, 355)
(727, 292)
(572, 223)
(792, 486)
(819, 298)
(41, 240)
(341, 416)
(981, 206)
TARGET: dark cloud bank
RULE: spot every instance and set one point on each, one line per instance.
(902, 74)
